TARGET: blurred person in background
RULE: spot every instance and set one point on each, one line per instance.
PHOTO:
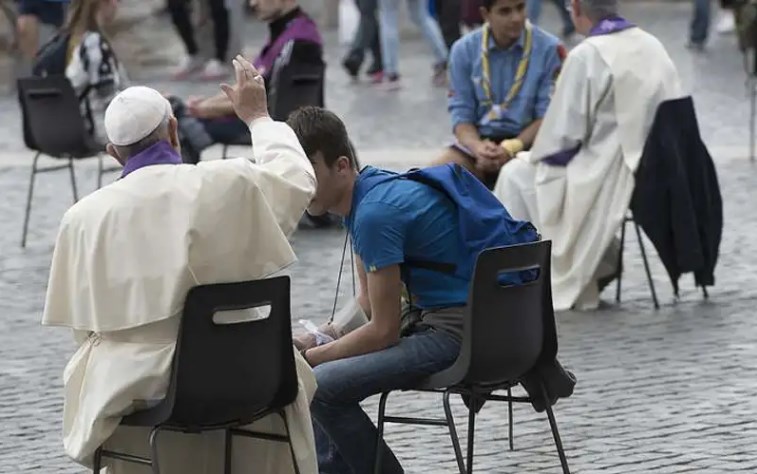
(31, 14)
(449, 15)
(534, 13)
(293, 34)
(91, 64)
(501, 78)
(367, 38)
(390, 39)
(700, 23)
(214, 68)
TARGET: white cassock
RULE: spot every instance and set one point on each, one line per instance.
(604, 104)
(124, 261)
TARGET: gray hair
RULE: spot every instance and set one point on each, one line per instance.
(597, 10)
(160, 133)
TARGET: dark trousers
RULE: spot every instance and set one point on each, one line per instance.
(449, 15)
(179, 10)
(367, 34)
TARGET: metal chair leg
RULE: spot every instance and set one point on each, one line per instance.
(227, 455)
(620, 259)
(510, 419)
(555, 433)
(73, 179)
(154, 449)
(471, 431)
(97, 463)
(99, 171)
(453, 433)
(646, 266)
(225, 151)
(291, 447)
(378, 463)
(29, 200)
(753, 111)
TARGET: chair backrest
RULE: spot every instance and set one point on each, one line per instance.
(508, 329)
(295, 84)
(52, 119)
(230, 373)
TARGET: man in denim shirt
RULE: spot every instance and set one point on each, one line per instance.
(499, 93)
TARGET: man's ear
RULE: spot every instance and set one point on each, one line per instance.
(112, 151)
(344, 164)
(173, 132)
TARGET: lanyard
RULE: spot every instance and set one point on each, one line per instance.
(520, 73)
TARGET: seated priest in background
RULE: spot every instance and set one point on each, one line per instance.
(501, 78)
(576, 183)
(127, 254)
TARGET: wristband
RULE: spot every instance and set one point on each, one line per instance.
(513, 146)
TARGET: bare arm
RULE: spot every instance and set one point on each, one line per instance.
(467, 134)
(362, 297)
(528, 135)
(383, 330)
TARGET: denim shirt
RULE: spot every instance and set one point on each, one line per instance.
(467, 99)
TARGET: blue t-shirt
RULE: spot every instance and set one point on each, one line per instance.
(401, 219)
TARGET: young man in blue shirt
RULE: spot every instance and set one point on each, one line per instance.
(389, 223)
(501, 79)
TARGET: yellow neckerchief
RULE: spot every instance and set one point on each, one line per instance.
(520, 73)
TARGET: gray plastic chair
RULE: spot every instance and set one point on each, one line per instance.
(219, 380)
(507, 331)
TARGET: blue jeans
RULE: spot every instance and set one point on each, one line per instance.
(700, 24)
(533, 11)
(345, 437)
(390, 35)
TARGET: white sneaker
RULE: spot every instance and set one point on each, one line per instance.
(726, 24)
(214, 70)
(188, 66)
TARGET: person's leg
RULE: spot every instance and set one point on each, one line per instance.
(343, 384)
(390, 37)
(354, 58)
(700, 23)
(533, 10)
(183, 24)
(456, 154)
(225, 130)
(220, 17)
(372, 36)
(449, 12)
(27, 26)
(568, 28)
(516, 189)
(421, 17)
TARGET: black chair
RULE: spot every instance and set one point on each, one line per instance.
(242, 140)
(626, 220)
(53, 126)
(498, 347)
(218, 381)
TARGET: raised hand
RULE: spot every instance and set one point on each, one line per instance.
(248, 95)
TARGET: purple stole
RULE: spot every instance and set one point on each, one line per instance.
(300, 28)
(162, 153)
(605, 27)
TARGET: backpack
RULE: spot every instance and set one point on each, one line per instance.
(51, 57)
(483, 220)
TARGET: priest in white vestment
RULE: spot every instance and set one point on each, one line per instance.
(127, 255)
(576, 183)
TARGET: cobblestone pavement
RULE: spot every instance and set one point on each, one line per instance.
(659, 391)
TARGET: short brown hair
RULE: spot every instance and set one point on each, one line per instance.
(320, 130)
